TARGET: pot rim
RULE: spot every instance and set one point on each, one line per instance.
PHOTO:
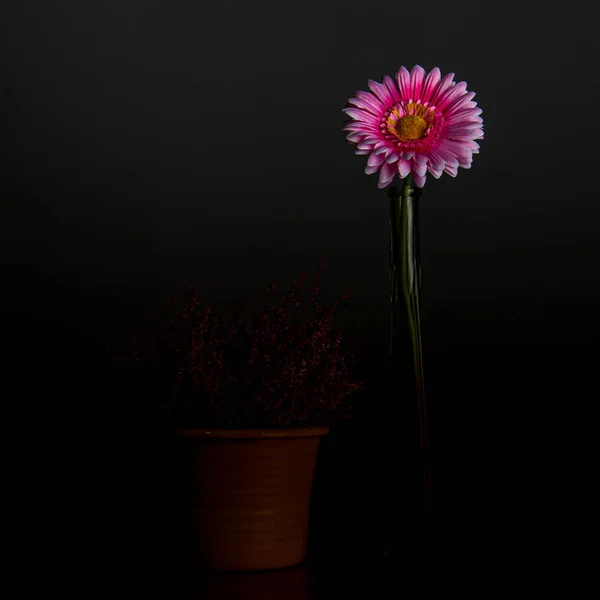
(258, 434)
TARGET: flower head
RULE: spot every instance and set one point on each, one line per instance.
(415, 123)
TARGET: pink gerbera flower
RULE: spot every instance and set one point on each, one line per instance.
(416, 123)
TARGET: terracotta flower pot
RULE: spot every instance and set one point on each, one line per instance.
(250, 495)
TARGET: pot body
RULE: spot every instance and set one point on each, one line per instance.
(248, 495)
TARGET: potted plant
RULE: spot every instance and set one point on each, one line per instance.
(248, 402)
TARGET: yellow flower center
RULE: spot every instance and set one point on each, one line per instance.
(413, 121)
(411, 127)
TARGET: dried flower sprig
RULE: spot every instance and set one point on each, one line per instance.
(286, 368)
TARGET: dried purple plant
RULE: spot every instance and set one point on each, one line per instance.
(287, 368)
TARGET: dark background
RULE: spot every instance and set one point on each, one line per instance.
(150, 143)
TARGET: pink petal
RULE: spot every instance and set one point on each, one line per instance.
(463, 118)
(451, 95)
(431, 81)
(437, 173)
(365, 106)
(392, 87)
(354, 126)
(407, 154)
(420, 159)
(381, 92)
(376, 160)
(392, 156)
(473, 146)
(444, 154)
(418, 169)
(442, 87)
(449, 114)
(386, 175)
(419, 180)
(467, 113)
(370, 100)
(435, 162)
(417, 76)
(403, 168)
(463, 133)
(361, 115)
(403, 80)
(461, 103)
(372, 139)
(452, 128)
(370, 170)
(452, 171)
(355, 137)
(363, 146)
(362, 152)
(458, 149)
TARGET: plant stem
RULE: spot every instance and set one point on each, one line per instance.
(405, 283)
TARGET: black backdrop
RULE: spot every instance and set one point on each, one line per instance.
(149, 143)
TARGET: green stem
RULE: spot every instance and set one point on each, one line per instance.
(405, 283)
